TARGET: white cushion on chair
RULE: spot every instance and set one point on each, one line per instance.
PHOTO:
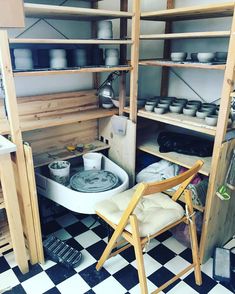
(154, 212)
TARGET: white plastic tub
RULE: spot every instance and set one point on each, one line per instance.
(78, 201)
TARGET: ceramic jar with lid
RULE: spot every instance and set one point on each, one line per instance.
(111, 57)
(58, 58)
(80, 57)
(23, 59)
(105, 29)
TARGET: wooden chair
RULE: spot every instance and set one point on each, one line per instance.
(141, 214)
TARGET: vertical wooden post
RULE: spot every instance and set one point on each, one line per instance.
(214, 207)
(166, 53)
(13, 212)
(134, 60)
(123, 56)
(12, 111)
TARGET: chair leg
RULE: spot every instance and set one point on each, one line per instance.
(193, 238)
(111, 244)
(138, 254)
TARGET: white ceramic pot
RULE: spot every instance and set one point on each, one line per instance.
(80, 57)
(23, 59)
(92, 160)
(58, 63)
(105, 30)
(57, 53)
(111, 57)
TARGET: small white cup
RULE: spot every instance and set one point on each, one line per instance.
(92, 161)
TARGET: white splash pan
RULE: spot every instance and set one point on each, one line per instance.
(78, 201)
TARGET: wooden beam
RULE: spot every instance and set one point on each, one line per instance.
(11, 14)
(13, 212)
(215, 210)
(12, 110)
(166, 53)
(134, 60)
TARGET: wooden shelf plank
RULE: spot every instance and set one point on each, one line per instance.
(70, 41)
(191, 35)
(72, 13)
(5, 238)
(187, 64)
(71, 71)
(193, 12)
(46, 122)
(182, 199)
(64, 154)
(150, 145)
(180, 120)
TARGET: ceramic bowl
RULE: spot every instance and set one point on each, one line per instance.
(211, 120)
(141, 103)
(189, 111)
(194, 57)
(159, 110)
(192, 106)
(182, 101)
(203, 113)
(206, 57)
(176, 108)
(167, 99)
(178, 56)
(221, 56)
(149, 107)
(194, 102)
(107, 105)
(148, 102)
(211, 105)
(164, 105)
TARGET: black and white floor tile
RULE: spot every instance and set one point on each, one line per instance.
(165, 257)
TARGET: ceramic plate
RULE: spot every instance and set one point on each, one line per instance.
(93, 181)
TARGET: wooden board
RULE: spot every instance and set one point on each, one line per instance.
(122, 148)
(218, 224)
(71, 71)
(151, 146)
(73, 13)
(1, 199)
(192, 35)
(69, 42)
(11, 14)
(159, 62)
(180, 120)
(193, 12)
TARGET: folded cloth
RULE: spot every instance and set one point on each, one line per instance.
(185, 144)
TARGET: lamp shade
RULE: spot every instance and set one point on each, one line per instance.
(106, 91)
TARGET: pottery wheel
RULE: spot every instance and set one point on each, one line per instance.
(93, 181)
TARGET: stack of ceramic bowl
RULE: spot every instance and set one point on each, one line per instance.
(163, 104)
(105, 29)
(23, 59)
(178, 56)
(191, 107)
(177, 105)
(58, 58)
(151, 103)
(207, 112)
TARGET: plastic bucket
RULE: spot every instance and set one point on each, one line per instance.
(92, 161)
(59, 171)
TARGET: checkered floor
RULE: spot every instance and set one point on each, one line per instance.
(164, 258)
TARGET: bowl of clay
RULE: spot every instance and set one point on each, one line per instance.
(203, 113)
(176, 108)
(159, 110)
(189, 111)
(178, 56)
(206, 57)
(211, 120)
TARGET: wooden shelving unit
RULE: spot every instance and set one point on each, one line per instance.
(192, 35)
(216, 213)
(51, 123)
(72, 13)
(64, 154)
(42, 72)
(186, 64)
(180, 120)
(151, 146)
(190, 13)
(2, 205)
